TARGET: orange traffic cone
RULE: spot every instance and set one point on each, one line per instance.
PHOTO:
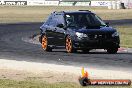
(84, 73)
(84, 80)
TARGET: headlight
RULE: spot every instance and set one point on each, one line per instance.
(81, 35)
(115, 34)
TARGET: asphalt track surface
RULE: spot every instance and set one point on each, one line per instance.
(13, 47)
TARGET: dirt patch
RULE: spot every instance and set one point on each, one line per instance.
(22, 70)
(46, 76)
(6, 73)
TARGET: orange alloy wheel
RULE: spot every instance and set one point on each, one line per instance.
(69, 45)
(44, 42)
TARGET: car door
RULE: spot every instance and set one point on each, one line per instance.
(60, 32)
(50, 31)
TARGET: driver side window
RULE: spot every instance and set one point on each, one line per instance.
(60, 19)
(70, 20)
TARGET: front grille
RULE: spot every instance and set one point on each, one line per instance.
(99, 36)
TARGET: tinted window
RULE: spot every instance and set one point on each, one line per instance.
(54, 20)
(84, 20)
(60, 19)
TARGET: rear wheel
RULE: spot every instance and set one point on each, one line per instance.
(112, 50)
(45, 44)
(69, 45)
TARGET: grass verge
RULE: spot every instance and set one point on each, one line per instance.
(5, 83)
(13, 14)
(125, 36)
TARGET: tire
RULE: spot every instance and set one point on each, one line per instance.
(40, 39)
(112, 50)
(45, 44)
(69, 45)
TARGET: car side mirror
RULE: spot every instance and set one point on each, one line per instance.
(107, 23)
(60, 25)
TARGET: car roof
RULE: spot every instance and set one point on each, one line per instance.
(77, 12)
(73, 12)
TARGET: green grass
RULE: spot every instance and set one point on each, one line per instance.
(125, 36)
(40, 13)
(5, 83)
(15, 14)
(30, 14)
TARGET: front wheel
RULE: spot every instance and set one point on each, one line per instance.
(69, 45)
(45, 44)
(112, 50)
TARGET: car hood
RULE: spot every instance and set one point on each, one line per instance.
(100, 30)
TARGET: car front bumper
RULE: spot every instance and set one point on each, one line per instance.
(97, 44)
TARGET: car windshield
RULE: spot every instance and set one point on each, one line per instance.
(88, 20)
